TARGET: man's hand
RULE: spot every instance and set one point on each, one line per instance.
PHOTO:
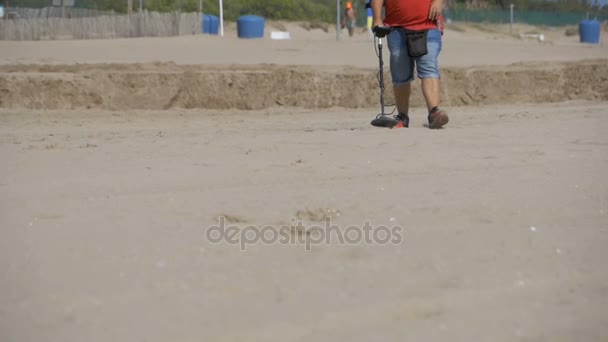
(381, 31)
(375, 25)
(436, 8)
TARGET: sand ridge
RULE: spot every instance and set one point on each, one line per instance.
(165, 86)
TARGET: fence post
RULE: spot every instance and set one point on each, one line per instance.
(338, 10)
(511, 22)
(199, 26)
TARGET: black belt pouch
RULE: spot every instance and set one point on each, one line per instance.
(416, 43)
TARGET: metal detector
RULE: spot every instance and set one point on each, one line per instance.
(383, 119)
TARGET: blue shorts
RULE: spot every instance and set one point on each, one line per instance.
(402, 65)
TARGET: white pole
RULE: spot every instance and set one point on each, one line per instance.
(221, 18)
(338, 10)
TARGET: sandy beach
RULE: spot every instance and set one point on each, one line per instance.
(113, 173)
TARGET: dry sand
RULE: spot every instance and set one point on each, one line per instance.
(480, 65)
(104, 217)
(475, 46)
(103, 213)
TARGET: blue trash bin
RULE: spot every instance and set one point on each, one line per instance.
(250, 26)
(211, 24)
(215, 24)
(589, 31)
(206, 24)
(216, 28)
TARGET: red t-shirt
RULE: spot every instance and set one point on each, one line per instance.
(410, 14)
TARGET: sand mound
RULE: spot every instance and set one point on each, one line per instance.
(165, 86)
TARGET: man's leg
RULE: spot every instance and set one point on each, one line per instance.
(428, 71)
(402, 97)
(402, 74)
(432, 92)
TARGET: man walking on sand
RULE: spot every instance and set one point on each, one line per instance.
(350, 18)
(414, 42)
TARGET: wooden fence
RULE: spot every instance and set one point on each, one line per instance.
(58, 12)
(106, 26)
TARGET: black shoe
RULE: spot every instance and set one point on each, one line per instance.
(403, 120)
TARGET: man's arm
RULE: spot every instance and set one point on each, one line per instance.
(436, 8)
(377, 6)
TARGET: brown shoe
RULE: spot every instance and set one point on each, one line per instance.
(438, 118)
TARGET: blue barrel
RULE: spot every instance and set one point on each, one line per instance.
(589, 31)
(206, 24)
(215, 24)
(211, 24)
(250, 26)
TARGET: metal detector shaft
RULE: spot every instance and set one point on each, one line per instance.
(381, 78)
(381, 32)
